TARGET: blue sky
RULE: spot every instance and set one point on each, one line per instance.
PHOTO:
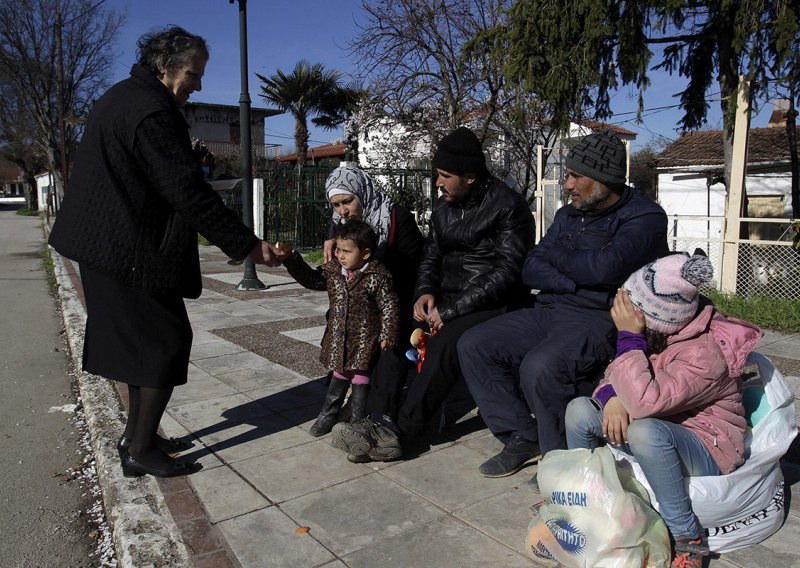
(281, 32)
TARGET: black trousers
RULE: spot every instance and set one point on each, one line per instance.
(428, 389)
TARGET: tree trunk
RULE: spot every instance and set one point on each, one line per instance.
(29, 189)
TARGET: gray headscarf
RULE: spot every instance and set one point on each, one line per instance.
(376, 207)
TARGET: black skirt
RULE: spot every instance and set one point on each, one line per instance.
(134, 336)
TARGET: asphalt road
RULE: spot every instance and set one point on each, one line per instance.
(44, 504)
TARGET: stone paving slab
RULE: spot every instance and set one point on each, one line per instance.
(361, 512)
(439, 477)
(311, 335)
(268, 537)
(225, 494)
(444, 542)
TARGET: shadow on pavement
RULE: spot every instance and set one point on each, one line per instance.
(300, 404)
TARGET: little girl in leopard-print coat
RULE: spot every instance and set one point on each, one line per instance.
(363, 318)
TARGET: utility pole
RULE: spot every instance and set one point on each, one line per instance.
(62, 144)
(733, 207)
(250, 279)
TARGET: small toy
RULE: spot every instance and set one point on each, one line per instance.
(419, 343)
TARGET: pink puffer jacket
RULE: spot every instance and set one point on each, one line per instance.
(695, 382)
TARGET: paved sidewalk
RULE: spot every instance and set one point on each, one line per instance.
(255, 388)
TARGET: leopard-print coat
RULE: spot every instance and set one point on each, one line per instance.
(364, 311)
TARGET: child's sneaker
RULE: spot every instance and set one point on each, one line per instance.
(690, 553)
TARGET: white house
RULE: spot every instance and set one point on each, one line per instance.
(690, 182)
(11, 182)
(690, 188)
(45, 191)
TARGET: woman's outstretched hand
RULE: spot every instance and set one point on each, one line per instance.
(626, 316)
(327, 249)
(264, 253)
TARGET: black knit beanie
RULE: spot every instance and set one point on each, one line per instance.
(460, 152)
(600, 156)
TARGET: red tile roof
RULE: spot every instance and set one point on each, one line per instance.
(10, 174)
(327, 151)
(597, 126)
(764, 145)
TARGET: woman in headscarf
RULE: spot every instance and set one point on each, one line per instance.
(353, 195)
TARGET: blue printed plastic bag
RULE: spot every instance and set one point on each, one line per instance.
(594, 514)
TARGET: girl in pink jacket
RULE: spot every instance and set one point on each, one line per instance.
(672, 397)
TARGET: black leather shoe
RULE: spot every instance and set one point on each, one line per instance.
(517, 453)
(166, 445)
(132, 468)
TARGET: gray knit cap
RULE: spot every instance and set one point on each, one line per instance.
(600, 156)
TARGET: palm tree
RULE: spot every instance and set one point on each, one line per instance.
(309, 91)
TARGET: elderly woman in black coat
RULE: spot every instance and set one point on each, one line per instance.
(135, 203)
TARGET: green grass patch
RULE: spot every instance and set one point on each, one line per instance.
(25, 212)
(49, 268)
(764, 311)
(201, 240)
(313, 257)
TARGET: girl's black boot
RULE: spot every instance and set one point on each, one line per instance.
(330, 408)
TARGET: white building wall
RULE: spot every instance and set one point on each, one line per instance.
(43, 181)
(688, 194)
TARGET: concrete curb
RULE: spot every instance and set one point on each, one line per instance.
(143, 530)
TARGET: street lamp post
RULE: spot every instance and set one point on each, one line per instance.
(250, 279)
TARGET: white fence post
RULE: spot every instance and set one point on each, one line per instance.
(258, 207)
(539, 193)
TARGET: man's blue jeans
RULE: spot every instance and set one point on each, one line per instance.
(667, 453)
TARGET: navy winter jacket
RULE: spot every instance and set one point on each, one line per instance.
(585, 257)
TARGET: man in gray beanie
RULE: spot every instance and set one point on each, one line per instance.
(470, 272)
(524, 367)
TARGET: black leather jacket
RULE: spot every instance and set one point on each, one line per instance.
(473, 256)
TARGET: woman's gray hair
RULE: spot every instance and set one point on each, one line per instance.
(169, 49)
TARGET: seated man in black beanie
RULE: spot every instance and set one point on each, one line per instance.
(470, 272)
(535, 360)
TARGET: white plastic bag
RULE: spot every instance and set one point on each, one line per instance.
(594, 515)
(745, 506)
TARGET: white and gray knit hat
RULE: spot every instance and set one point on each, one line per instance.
(666, 290)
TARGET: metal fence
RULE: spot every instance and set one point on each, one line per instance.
(296, 210)
(763, 267)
